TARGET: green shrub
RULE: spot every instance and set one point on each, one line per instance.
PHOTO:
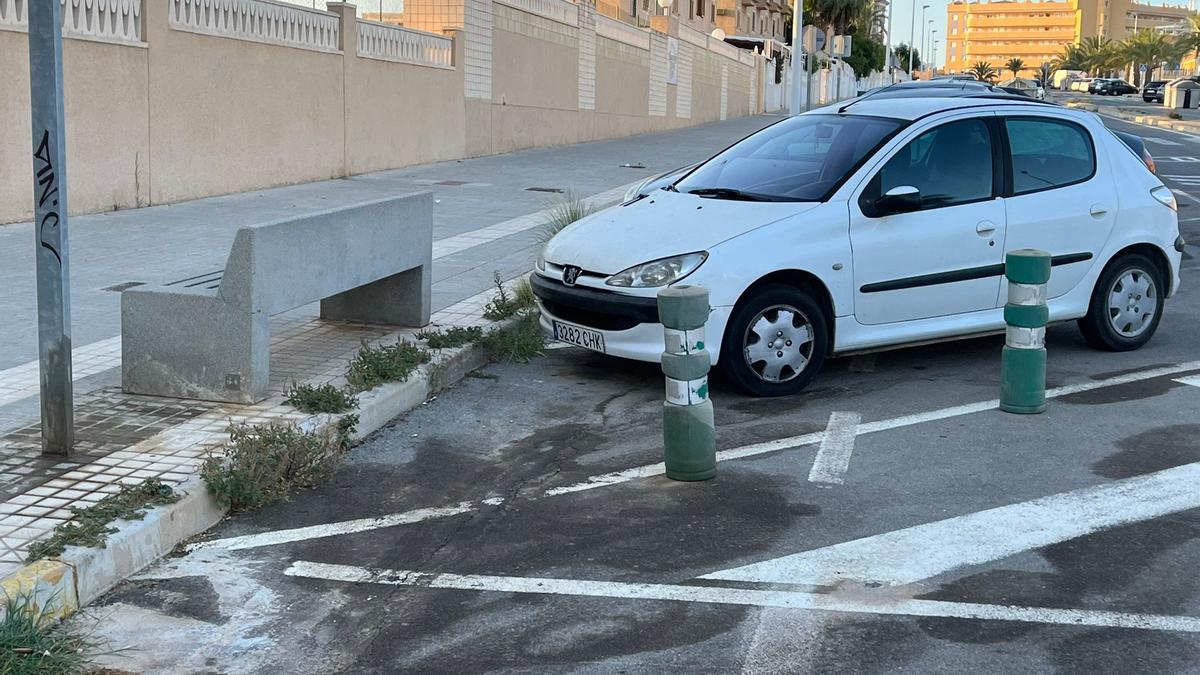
(520, 341)
(503, 304)
(91, 526)
(265, 463)
(373, 366)
(323, 399)
(449, 338)
(33, 642)
(570, 208)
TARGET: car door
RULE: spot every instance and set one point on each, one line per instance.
(944, 257)
(1061, 199)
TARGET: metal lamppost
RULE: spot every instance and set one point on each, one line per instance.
(921, 53)
(889, 51)
(50, 225)
(797, 64)
(912, 35)
(933, 52)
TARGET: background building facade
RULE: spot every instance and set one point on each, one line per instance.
(1035, 32)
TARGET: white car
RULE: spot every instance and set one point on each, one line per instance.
(875, 223)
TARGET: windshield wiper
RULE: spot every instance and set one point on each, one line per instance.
(731, 193)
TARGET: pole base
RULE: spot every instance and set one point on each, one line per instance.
(1023, 380)
(689, 441)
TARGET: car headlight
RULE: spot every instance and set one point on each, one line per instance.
(1165, 197)
(658, 272)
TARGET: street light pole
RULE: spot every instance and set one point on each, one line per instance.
(933, 51)
(50, 225)
(797, 63)
(912, 35)
(925, 44)
(890, 53)
(923, 8)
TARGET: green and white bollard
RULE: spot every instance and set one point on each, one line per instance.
(1023, 361)
(689, 436)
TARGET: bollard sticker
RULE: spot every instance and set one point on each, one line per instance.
(683, 341)
(1025, 338)
(687, 392)
(1026, 294)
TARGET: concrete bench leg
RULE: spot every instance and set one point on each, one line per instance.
(401, 300)
(193, 347)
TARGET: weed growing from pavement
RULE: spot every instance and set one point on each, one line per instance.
(570, 208)
(323, 399)
(373, 366)
(91, 526)
(450, 338)
(520, 341)
(503, 304)
(265, 463)
(33, 641)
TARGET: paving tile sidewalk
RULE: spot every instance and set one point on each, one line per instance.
(126, 439)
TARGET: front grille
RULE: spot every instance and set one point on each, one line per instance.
(588, 318)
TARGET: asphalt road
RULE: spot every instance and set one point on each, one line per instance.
(536, 535)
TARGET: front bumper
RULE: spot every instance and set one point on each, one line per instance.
(629, 324)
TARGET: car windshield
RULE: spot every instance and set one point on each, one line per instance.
(800, 159)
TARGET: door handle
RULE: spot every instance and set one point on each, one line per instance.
(1098, 211)
(985, 228)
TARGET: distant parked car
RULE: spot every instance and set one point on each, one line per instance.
(1153, 91)
(1081, 84)
(1114, 87)
(1023, 86)
(1095, 83)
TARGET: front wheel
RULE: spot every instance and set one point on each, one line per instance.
(1126, 306)
(775, 342)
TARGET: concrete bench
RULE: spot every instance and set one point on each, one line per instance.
(208, 336)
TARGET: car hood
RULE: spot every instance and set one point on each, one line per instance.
(660, 225)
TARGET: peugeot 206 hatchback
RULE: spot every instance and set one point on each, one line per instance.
(874, 223)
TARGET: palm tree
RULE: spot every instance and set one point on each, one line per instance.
(983, 71)
(1101, 55)
(835, 14)
(900, 51)
(1072, 58)
(1150, 48)
(1015, 65)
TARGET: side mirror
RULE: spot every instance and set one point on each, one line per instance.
(900, 199)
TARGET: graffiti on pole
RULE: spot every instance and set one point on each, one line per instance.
(48, 231)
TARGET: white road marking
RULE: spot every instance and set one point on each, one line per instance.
(833, 457)
(1181, 193)
(860, 604)
(1194, 380)
(334, 529)
(924, 551)
(1160, 141)
(796, 442)
(1181, 159)
(652, 470)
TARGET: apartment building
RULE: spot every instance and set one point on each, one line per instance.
(1035, 32)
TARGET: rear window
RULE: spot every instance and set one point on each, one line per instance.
(1048, 153)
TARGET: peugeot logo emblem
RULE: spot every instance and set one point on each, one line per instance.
(571, 275)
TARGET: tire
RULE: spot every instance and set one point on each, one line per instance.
(1132, 279)
(795, 362)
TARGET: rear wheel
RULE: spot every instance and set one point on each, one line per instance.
(1126, 306)
(775, 342)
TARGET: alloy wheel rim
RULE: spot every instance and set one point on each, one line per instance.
(778, 343)
(1132, 303)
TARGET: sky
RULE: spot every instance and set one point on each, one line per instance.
(902, 19)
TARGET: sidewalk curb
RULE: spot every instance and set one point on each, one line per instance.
(1180, 126)
(80, 575)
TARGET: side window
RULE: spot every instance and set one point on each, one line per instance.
(1048, 154)
(950, 164)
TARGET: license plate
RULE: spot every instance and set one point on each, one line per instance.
(580, 337)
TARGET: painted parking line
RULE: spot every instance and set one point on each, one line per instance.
(1194, 380)
(924, 551)
(276, 537)
(651, 470)
(1160, 141)
(833, 457)
(860, 604)
(796, 442)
